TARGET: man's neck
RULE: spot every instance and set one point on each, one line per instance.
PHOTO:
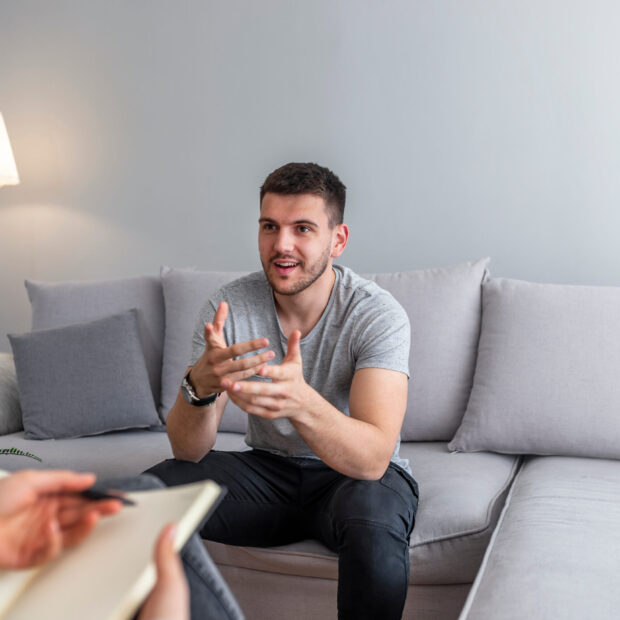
(303, 310)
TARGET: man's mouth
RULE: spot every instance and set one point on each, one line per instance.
(285, 267)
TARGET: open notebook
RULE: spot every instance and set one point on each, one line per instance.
(108, 575)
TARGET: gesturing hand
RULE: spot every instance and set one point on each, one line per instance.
(286, 396)
(217, 364)
(40, 514)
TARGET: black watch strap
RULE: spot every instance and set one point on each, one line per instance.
(190, 395)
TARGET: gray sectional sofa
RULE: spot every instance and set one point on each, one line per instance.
(512, 432)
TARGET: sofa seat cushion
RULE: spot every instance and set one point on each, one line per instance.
(122, 453)
(554, 554)
(461, 497)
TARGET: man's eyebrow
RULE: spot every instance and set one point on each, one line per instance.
(296, 222)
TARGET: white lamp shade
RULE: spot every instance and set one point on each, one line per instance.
(8, 169)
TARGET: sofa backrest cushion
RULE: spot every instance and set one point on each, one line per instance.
(444, 307)
(185, 292)
(64, 303)
(83, 379)
(10, 410)
(546, 379)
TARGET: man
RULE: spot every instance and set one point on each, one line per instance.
(318, 358)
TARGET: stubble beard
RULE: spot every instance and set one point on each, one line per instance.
(314, 272)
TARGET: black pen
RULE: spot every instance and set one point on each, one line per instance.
(99, 494)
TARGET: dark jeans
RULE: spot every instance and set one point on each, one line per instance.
(274, 500)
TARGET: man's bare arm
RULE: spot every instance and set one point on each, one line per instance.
(192, 430)
(360, 445)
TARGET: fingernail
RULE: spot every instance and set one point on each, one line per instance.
(236, 387)
(271, 355)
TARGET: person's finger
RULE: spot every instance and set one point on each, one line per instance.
(213, 339)
(293, 352)
(256, 388)
(231, 366)
(276, 373)
(252, 408)
(70, 512)
(48, 541)
(56, 481)
(228, 380)
(220, 317)
(167, 560)
(236, 350)
(170, 596)
(79, 530)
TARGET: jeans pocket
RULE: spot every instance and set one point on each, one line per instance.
(402, 483)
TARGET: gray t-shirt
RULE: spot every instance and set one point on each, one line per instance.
(362, 326)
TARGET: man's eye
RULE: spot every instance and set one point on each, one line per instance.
(304, 229)
(268, 227)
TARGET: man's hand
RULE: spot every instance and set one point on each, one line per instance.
(217, 365)
(40, 514)
(286, 396)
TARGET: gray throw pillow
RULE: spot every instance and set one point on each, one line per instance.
(10, 411)
(444, 306)
(546, 379)
(83, 379)
(58, 304)
(185, 292)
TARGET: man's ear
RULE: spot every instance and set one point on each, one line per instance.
(340, 238)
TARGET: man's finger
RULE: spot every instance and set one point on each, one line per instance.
(213, 338)
(293, 352)
(262, 388)
(228, 380)
(233, 366)
(220, 317)
(277, 373)
(237, 350)
(249, 407)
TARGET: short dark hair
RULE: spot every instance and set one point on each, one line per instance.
(294, 178)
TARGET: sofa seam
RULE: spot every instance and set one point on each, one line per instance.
(488, 551)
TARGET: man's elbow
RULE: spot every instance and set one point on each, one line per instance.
(192, 456)
(375, 469)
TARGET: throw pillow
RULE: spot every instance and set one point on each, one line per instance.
(63, 303)
(546, 378)
(10, 411)
(83, 379)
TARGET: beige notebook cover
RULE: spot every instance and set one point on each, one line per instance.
(108, 576)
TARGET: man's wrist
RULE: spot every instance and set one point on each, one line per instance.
(191, 397)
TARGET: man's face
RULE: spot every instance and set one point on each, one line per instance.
(295, 242)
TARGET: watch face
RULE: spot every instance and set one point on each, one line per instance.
(187, 391)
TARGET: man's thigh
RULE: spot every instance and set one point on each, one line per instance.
(259, 508)
(390, 503)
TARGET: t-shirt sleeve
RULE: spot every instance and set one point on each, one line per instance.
(383, 336)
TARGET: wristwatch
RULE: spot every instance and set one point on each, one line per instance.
(190, 395)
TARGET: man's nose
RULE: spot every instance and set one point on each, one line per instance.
(284, 242)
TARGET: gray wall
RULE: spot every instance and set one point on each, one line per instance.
(142, 131)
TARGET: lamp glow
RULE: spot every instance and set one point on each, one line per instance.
(8, 169)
